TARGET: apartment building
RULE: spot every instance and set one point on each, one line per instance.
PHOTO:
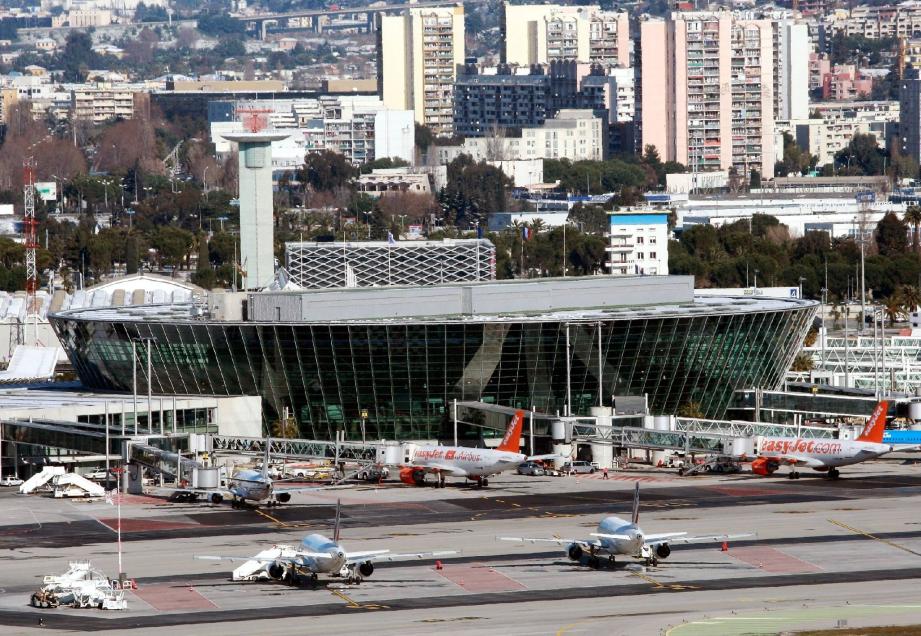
(638, 242)
(707, 91)
(791, 69)
(543, 33)
(484, 104)
(573, 134)
(357, 126)
(876, 22)
(420, 54)
(910, 113)
(100, 105)
(840, 121)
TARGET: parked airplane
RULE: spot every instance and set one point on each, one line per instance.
(249, 485)
(318, 554)
(616, 536)
(476, 464)
(823, 454)
(903, 439)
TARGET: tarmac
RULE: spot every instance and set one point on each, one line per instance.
(826, 554)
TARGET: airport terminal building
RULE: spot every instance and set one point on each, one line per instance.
(393, 359)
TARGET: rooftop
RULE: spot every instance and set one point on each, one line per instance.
(583, 299)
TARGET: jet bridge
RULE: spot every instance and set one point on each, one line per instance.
(335, 451)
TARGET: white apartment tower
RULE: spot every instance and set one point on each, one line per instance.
(543, 33)
(419, 56)
(791, 69)
(707, 91)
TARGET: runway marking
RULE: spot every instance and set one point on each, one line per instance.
(873, 536)
(353, 604)
(168, 597)
(146, 525)
(270, 517)
(479, 578)
(674, 587)
(773, 560)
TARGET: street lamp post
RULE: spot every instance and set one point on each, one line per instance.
(801, 279)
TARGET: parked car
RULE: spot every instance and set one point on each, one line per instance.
(97, 475)
(531, 468)
(578, 467)
(373, 473)
(11, 480)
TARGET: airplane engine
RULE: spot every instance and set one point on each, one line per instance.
(662, 550)
(574, 552)
(283, 497)
(366, 569)
(764, 466)
(277, 571)
(216, 498)
(412, 476)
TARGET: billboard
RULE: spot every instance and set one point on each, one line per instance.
(47, 190)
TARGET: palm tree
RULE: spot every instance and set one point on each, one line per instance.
(913, 217)
(909, 297)
(894, 309)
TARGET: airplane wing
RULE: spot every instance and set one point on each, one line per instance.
(310, 488)
(585, 543)
(384, 555)
(655, 539)
(439, 468)
(265, 559)
(799, 460)
(615, 537)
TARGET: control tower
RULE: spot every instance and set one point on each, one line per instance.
(257, 258)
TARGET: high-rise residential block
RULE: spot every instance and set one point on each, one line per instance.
(543, 33)
(910, 113)
(420, 53)
(792, 48)
(707, 90)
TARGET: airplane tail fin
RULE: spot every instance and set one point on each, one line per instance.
(338, 521)
(512, 440)
(265, 460)
(876, 424)
(635, 518)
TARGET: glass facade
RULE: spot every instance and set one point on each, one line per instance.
(398, 378)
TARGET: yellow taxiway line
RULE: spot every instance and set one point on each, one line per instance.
(873, 536)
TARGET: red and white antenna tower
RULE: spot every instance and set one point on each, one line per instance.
(30, 232)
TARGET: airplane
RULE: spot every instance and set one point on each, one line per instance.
(823, 454)
(616, 536)
(903, 439)
(318, 554)
(476, 464)
(249, 485)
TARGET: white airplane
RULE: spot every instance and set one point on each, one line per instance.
(476, 464)
(822, 454)
(616, 536)
(318, 554)
(249, 485)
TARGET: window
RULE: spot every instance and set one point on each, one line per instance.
(640, 255)
(652, 254)
(639, 240)
(652, 240)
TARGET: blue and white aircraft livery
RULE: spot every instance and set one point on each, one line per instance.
(318, 554)
(616, 536)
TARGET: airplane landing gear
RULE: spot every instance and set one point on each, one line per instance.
(834, 473)
(653, 561)
(611, 561)
(793, 475)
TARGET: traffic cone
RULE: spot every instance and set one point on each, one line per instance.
(725, 547)
(438, 565)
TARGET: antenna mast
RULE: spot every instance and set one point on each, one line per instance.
(29, 230)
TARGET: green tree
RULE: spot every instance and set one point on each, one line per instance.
(795, 159)
(474, 190)
(173, 245)
(754, 181)
(913, 218)
(861, 156)
(327, 171)
(891, 235)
